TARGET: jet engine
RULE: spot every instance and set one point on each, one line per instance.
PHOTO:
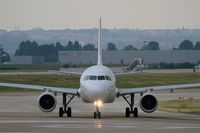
(47, 102)
(148, 103)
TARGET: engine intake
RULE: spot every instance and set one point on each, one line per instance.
(47, 102)
(148, 103)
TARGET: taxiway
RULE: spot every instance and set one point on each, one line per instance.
(19, 112)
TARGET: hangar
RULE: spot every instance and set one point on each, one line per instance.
(127, 57)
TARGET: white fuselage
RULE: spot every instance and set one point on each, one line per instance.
(98, 83)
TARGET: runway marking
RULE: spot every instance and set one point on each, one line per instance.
(16, 132)
(119, 126)
(98, 124)
(88, 126)
(179, 127)
(35, 121)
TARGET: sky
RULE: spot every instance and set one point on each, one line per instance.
(79, 14)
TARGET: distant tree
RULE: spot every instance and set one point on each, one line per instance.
(152, 45)
(59, 46)
(89, 47)
(197, 46)
(27, 48)
(49, 52)
(111, 46)
(186, 45)
(70, 46)
(34, 47)
(77, 46)
(129, 47)
(4, 56)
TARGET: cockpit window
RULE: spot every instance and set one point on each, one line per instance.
(86, 77)
(93, 77)
(101, 77)
(108, 78)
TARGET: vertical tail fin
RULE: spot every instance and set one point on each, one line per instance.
(99, 45)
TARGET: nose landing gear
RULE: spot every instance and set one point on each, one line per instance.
(97, 114)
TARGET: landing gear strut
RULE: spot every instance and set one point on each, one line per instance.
(97, 114)
(131, 110)
(65, 109)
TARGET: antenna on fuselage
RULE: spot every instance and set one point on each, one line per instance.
(99, 45)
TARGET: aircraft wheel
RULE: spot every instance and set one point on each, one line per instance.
(127, 112)
(69, 112)
(95, 115)
(61, 112)
(99, 115)
(135, 112)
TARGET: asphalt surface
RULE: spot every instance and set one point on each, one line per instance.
(19, 112)
(80, 70)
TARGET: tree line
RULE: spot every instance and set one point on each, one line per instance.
(188, 45)
(50, 51)
(154, 45)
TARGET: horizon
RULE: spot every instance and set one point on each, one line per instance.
(181, 28)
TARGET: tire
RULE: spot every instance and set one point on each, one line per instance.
(135, 112)
(61, 112)
(69, 112)
(127, 114)
(95, 115)
(99, 115)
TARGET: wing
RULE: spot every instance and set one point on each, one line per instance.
(71, 91)
(127, 91)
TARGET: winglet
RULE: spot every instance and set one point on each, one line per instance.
(99, 45)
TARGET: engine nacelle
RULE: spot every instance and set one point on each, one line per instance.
(148, 103)
(47, 102)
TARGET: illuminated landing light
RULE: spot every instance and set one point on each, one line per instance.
(98, 103)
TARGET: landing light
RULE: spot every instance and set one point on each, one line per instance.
(98, 103)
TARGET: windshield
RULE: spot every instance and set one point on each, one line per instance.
(100, 77)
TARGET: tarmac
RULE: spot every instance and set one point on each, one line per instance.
(80, 70)
(19, 112)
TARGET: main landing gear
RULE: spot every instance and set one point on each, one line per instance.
(97, 114)
(131, 110)
(65, 109)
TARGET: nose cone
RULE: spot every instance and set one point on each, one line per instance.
(97, 91)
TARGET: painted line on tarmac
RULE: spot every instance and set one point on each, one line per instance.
(34, 121)
(96, 124)
(180, 127)
(120, 125)
(16, 132)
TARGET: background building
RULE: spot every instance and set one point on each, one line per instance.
(27, 60)
(127, 57)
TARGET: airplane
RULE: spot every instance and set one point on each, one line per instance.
(98, 86)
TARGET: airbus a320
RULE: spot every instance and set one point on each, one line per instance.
(98, 86)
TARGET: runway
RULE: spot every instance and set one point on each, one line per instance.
(19, 112)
